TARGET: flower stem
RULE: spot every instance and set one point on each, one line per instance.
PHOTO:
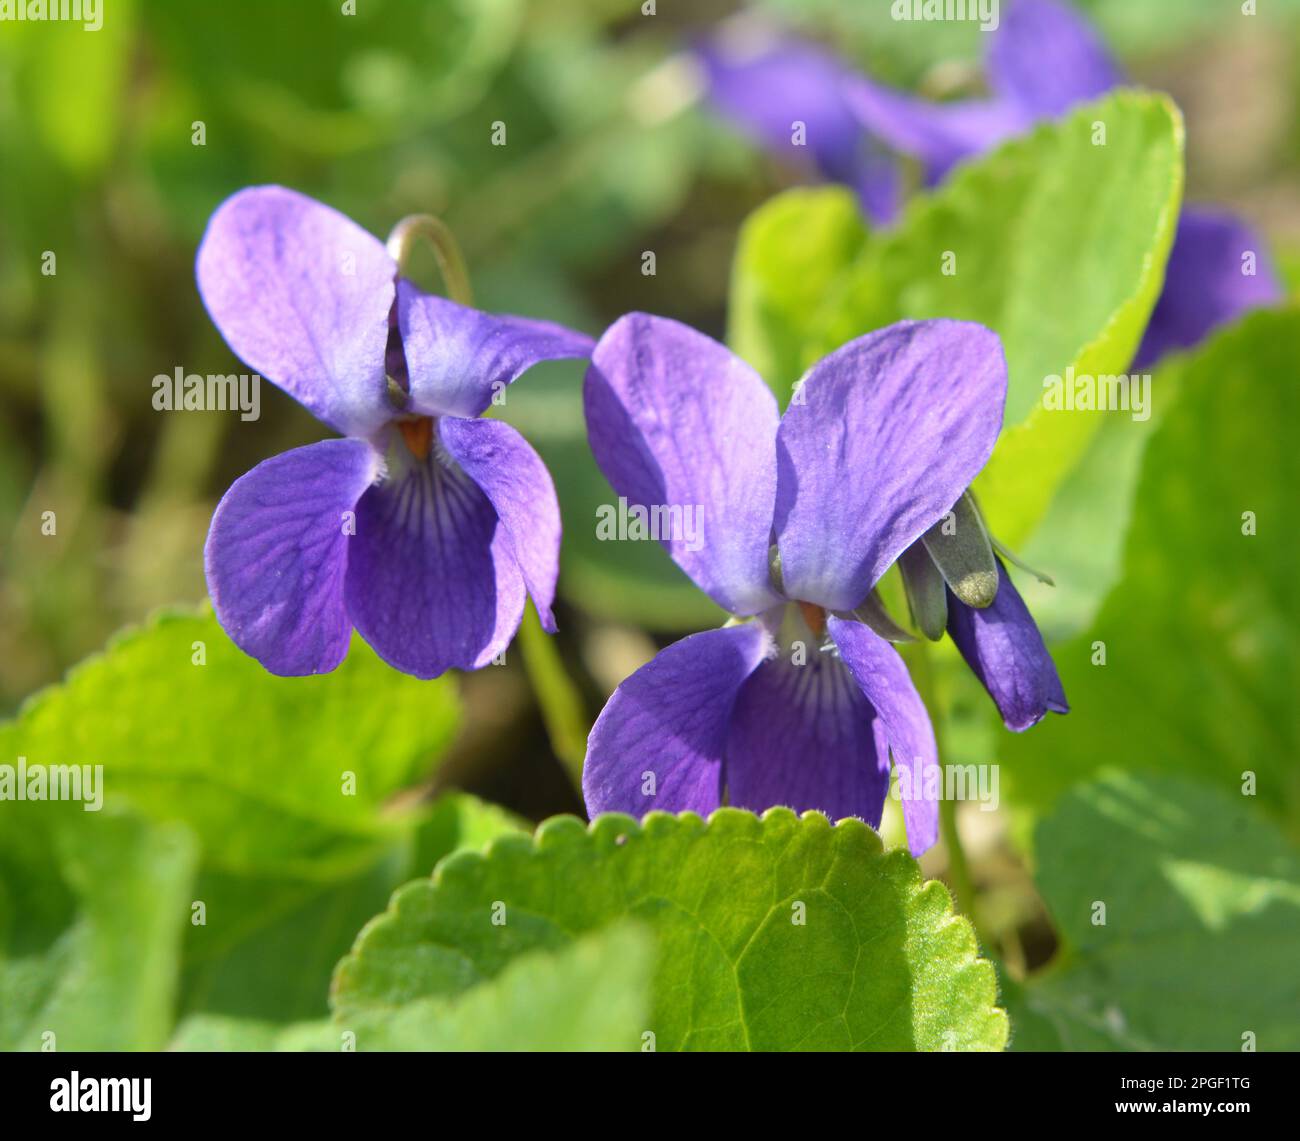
(445, 250)
(563, 710)
(963, 888)
(958, 869)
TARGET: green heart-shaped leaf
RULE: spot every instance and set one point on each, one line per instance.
(775, 933)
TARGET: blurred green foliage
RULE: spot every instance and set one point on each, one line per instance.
(1199, 636)
(1178, 907)
(271, 805)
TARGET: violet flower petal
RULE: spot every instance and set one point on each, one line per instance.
(766, 91)
(1204, 283)
(1004, 649)
(277, 553)
(302, 294)
(674, 419)
(668, 722)
(513, 477)
(878, 669)
(1045, 57)
(432, 581)
(938, 134)
(882, 439)
(806, 737)
(458, 358)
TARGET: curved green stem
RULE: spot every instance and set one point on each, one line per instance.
(963, 887)
(445, 250)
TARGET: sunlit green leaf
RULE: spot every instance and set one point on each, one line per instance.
(779, 933)
(793, 258)
(272, 774)
(590, 995)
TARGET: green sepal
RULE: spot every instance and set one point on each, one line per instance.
(960, 547)
(927, 596)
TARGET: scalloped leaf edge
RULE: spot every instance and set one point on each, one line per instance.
(611, 830)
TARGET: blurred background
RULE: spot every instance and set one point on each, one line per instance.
(611, 150)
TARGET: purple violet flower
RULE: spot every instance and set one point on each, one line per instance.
(766, 86)
(425, 525)
(800, 515)
(1043, 60)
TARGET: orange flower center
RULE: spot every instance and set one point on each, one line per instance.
(418, 435)
(815, 616)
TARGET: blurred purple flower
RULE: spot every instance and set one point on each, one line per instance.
(1044, 59)
(767, 87)
(425, 525)
(800, 516)
(1205, 285)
